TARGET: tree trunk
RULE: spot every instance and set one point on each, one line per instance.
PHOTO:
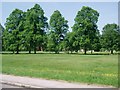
(91, 51)
(111, 51)
(13, 52)
(17, 49)
(17, 52)
(85, 51)
(56, 52)
(35, 48)
(29, 51)
(34, 51)
(29, 48)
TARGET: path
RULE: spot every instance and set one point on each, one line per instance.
(43, 83)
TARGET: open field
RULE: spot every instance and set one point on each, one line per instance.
(91, 69)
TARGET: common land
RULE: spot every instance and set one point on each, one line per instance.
(90, 69)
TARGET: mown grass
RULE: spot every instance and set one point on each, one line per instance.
(91, 69)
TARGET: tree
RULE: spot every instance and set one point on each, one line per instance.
(1, 30)
(35, 28)
(1, 27)
(12, 34)
(118, 39)
(58, 30)
(110, 37)
(85, 27)
(96, 46)
(71, 43)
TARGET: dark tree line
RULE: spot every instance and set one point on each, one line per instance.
(30, 31)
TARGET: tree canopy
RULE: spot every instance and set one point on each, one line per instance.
(110, 37)
(85, 27)
(30, 31)
(12, 33)
(58, 31)
(35, 28)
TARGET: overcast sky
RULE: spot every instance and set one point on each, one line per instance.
(108, 10)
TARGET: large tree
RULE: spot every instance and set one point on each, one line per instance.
(110, 37)
(1, 30)
(71, 43)
(35, 28)
(12, 33)
(58, 30)
(85, 27)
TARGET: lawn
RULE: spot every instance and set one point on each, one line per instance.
(91, 69)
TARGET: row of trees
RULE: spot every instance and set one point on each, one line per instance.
(30, 31)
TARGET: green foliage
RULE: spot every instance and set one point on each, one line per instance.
(12, 34)
(111, 37)
(1, 41)
(35, 28)
(96, 46)
(71, 43)
(58, 30)
(29, 31)
(85, 27)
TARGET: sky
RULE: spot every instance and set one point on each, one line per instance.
(108, 10)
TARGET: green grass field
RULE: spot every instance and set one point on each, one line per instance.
(91, 69)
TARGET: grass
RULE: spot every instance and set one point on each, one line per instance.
(91, 69)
